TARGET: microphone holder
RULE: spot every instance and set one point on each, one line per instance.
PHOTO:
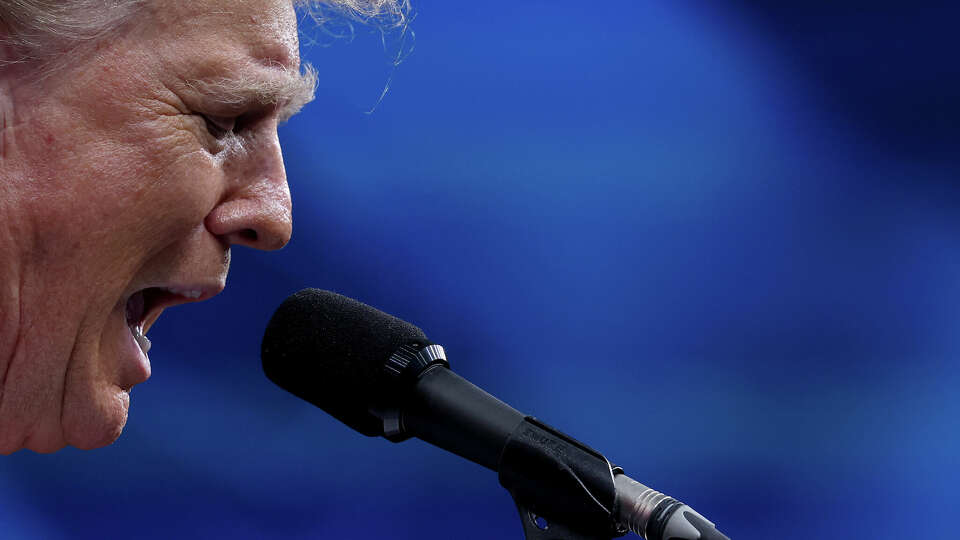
(563, 489)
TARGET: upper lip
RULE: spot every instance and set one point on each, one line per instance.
(160, 296)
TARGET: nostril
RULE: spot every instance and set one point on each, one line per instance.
(250, 223)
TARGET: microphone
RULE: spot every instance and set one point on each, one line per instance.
(382, 377)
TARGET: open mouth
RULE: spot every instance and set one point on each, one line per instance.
(136, 308)
(145, 306)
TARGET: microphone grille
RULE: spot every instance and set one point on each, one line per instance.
(331, 351)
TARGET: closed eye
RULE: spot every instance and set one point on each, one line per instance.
(219, 126)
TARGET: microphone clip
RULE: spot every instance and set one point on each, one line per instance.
(563, 489)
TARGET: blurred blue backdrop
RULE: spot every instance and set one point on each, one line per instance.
(717, 241)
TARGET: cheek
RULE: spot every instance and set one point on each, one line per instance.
(184, 182)
(168, 188)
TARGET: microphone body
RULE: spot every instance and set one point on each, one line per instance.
(397, 384)
(450, 412)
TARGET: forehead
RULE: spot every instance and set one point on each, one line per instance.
(214, 31)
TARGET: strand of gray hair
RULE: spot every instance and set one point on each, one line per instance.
(38, 30)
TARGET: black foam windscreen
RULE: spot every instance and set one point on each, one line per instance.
(330, 350)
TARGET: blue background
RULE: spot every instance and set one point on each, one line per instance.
(717, 241)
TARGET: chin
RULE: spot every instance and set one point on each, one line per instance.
(45, 447)
(98, 424)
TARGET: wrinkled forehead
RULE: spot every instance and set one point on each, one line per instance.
(265, 31)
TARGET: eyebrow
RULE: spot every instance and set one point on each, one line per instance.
(290, 90)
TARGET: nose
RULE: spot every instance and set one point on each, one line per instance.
(256, 211)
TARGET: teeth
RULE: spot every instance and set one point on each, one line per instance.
(189, 293)
(141, 339)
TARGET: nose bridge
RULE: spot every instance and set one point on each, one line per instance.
(256, 211)
(267, 157)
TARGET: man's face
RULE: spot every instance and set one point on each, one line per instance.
(141, 164)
